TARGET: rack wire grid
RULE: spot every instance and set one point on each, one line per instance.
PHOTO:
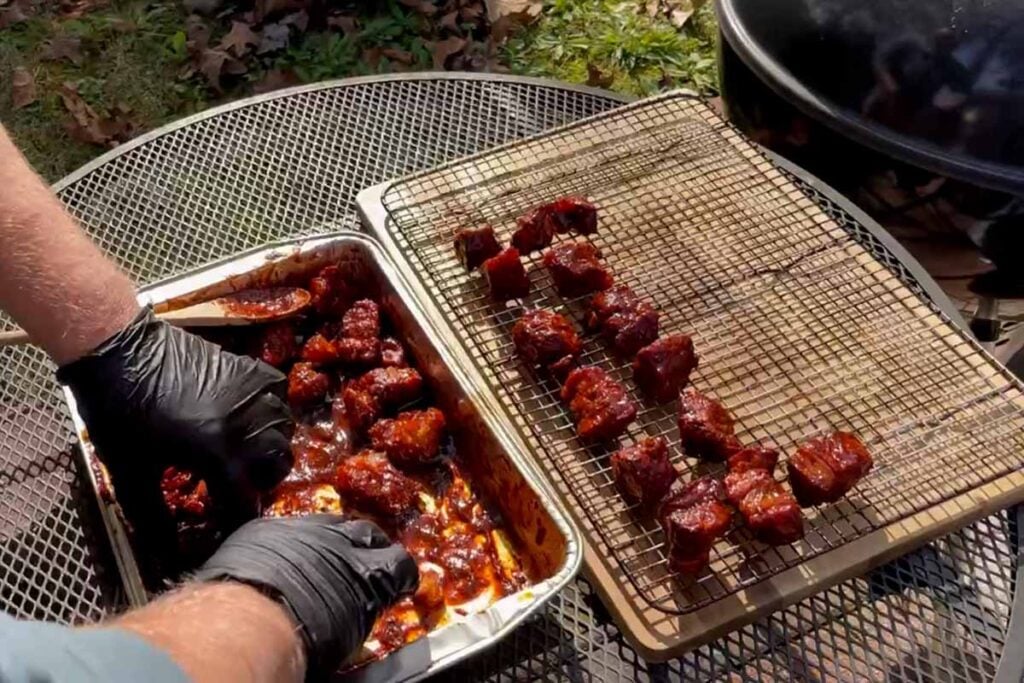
(285, 164)
(800, 329)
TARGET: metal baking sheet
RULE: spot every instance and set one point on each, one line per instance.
(547, 541)
(800, 329)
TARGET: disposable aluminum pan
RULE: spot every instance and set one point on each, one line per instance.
(548, 544)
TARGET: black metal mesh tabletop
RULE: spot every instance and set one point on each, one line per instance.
(291, 164)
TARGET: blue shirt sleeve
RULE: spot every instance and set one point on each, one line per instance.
(35, 652)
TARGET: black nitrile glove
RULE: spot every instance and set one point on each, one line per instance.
(333, 576)
(154, 396)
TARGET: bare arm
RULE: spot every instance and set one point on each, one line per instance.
(222, 632)
(53, 281)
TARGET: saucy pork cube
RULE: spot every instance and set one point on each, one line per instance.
(694, 516)
(755, 457)
(306, 385)
(362, 320)
(358, 351)
(276, 344)
(319, 350)
(369, 482)
(739, 484)
(543, 337)
(412, 438)
(576, 270)
(824, 469)
(572, 213)
(624, 320)
(600, 405)
(643, 473)
(772, 514)
(706, 428)
(329, 293)
(604, 305)
(476, 245)
(392, 353)
(361, 408)
(533, 231)
(505, 275)
(393, 386)
(662, 368)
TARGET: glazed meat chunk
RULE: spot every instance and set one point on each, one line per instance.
(624, 320)
(506, 278)
(370, 482)
(663, 367)
(694, 516)
(576, 270)
(366, 397)
(705, 426)
(824, 469)
(768, 509)
(392, 353)
(571, 213)
(362, 320)
(544, 337)
(643, 473)
(600, 405)
(476, 245)
(358, 351)
(319, 350)
(412, 438)
(276, 344)
(306, 385)
(753, 458)
(533, 231)
(330, 295)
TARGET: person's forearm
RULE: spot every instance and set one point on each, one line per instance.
(53, 281)
(222, 632)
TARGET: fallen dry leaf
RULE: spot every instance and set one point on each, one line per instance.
(518, 11)
(15, 13)
(372, 56)
(300, 20)
(450, 21)
(346, 24)
(472, 11)
(424, 7)
(396, 55)
(240, 39)
(274, 37)
(197, 34)
(23, 88)
(213, 63)
(598, 78)
(63, 47)
(73, 9)
(443, 49)
(275, 79)
(88, 126)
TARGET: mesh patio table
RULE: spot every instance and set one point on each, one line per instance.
(290, 164)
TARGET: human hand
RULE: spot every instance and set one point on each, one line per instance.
(332, 575)
(154, 396)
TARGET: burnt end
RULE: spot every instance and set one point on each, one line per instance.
(544, 337)
(413, 438)
(661, 369)
(362, 320)
(476, 245)
(706, 428)
(369, 481)
(823, 470)
(533, 232)
(600, 405)
(392, 353)
(319, 350)
(571, 213)
(643, 473)
(276, 344)
(576, 270)
(330, 294)
(506, 277)
(306, 385)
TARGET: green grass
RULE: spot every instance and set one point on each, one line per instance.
(133, 52)
(640, 55)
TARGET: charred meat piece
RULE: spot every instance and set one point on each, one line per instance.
(824, 469)
(188, 503)
(561, 368)
(533, 231)
(768, 509)
(624, 320)
(753, 458)
(705, 426)
(358, 351)
(392, 353)
(601, 406)
(576, 270)
(412, 438)
(306, 385)
(544, 337)
(476, 245)
(693, 516)
(362, 320)
(381, 388)
(319, 350)
(663, 367)
(571, 214)
(643, 473)
(370, 482)
(330, 295)
(276, 344)
(506, 276)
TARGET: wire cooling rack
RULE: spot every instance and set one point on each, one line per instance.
(800, 327)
